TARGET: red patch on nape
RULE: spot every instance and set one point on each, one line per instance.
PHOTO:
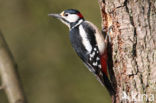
(103, 61)
(80, 15)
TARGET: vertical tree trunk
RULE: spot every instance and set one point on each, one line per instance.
(132, 51)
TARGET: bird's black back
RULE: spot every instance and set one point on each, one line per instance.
(76, 41)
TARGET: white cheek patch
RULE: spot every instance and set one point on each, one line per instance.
(72, 17)
(69, 19)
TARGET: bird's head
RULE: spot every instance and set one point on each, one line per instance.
(70, 17)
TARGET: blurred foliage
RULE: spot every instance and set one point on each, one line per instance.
(50, 70)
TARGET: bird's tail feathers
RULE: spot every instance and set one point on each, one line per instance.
(103, 79)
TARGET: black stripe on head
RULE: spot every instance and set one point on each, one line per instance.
(65, 20)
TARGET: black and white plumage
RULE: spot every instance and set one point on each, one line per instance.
(84, 42)
(88, 43)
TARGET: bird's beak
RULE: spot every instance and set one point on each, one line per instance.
(58, 16)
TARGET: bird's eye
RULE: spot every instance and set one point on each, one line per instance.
(65, 14)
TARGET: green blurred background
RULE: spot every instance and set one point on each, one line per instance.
(50, 70)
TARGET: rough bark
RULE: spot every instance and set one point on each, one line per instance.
(132, 50)
(9, 76)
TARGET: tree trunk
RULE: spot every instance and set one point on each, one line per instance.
(8, 74)
(132, 50)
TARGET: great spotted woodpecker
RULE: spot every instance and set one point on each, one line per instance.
(88, 43)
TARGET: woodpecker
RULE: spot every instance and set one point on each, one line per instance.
(89, 44)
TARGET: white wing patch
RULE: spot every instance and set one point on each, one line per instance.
(85, 40)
